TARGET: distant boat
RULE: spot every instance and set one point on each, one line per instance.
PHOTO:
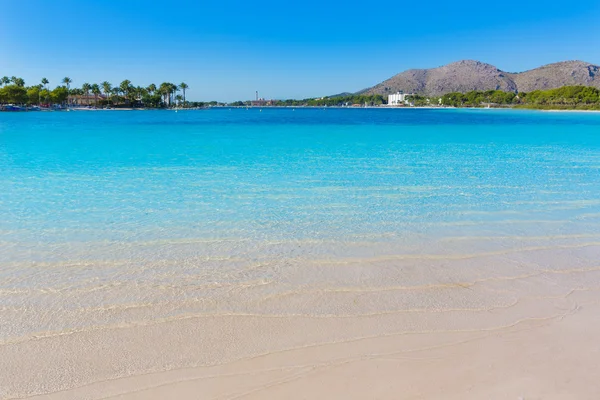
(11, 107)
(82, 108)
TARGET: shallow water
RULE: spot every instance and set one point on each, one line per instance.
(125, 218)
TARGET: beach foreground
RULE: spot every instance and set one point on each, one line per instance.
(553, 356)
(300, 254)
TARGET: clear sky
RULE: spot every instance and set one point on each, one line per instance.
(225, 50)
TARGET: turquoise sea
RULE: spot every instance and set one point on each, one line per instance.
(113, 218)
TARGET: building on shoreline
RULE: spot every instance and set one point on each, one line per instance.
(398, 98)
(262, 103)
(86, 99)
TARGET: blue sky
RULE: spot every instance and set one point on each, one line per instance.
(227, 50)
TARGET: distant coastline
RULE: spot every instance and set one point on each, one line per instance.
(562, 98)
(15, 96)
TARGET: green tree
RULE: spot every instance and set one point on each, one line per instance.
(18, 81)
(33, 95)
(165, 90)
(174, 90)
(59, 95)
(116, 91)
(67, 81)
(183, 86)
(46, 92)
(14, 94)
(96, 91)
(126, 89)
(107, 89)
(86, 90)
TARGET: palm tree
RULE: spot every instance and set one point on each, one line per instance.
(17, 81)
(183, 86)
(86, 89)
(151, 88)
(107, 89)
(67, 81)
(165, 91)
(45, 83)
(178, 98)
(116, 91)
(174, 89)
(125, 87)
(140, 93)
(96, 90)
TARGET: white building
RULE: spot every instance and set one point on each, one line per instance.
(398, 98)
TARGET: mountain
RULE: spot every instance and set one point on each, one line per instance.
(466, 75)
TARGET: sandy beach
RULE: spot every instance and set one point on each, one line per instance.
(528, 334)
(550, 357)
(239, 254)
(555, 357)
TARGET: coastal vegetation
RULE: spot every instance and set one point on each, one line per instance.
(566, 97)
(333, 101)
(477, 98)
(124, 95)
(347, 100)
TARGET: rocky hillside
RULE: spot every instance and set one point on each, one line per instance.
(555, 75)
(466, 75)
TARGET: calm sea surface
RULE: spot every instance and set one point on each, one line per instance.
(112, 218)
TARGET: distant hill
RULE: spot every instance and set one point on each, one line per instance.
(341, 94)
(467, 75)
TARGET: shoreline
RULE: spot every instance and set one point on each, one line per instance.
(320, 107)
(573, 111)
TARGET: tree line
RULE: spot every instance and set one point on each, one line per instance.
(14, 91)
(566, 97)
(339, 101)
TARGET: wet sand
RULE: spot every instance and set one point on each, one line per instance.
(525, 325)
(553, 356)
